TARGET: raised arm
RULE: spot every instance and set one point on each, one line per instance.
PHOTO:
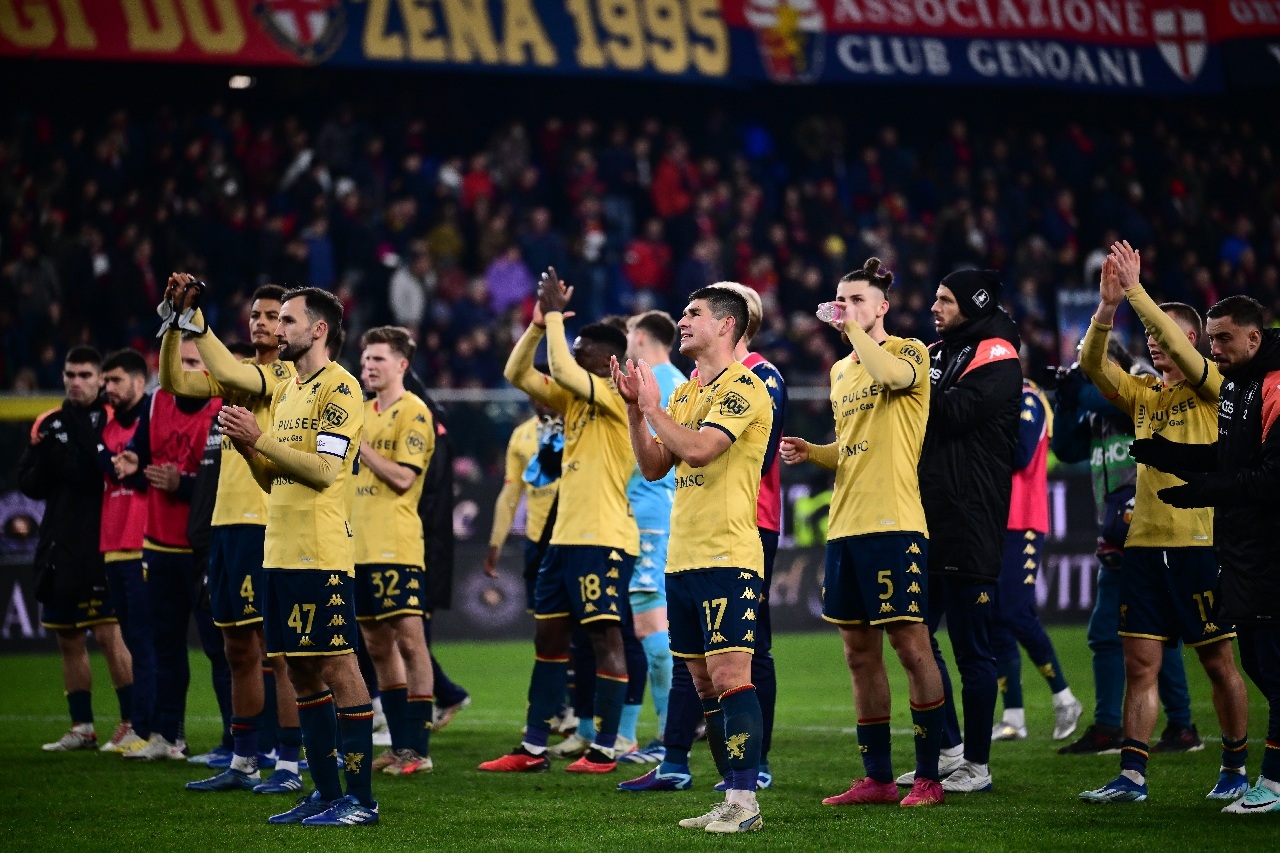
(565, 370)
(1093, 352)
(519, 371)
(175, 379)
(894, 372)
(229, 370)
(1202, 374)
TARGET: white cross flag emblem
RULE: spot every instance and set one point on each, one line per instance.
(1182, 37)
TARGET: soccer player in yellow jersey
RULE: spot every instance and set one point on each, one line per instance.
(1170, 572)
(594, 542)
(399, 439)
(538, 488)
(714, 432)
(236, 542)
(877, 540)
(306, 461)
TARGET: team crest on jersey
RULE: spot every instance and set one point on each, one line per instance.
(333, 415)
(734, 404)
(416, 442)
(312, 31)
(280, 371)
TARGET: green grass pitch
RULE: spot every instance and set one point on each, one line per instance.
(91, 802)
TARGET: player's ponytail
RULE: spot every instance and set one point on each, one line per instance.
(871, 274)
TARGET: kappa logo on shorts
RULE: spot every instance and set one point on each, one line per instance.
(305, 641)
(614, 555)
(612, 573)
(589, 608)
(915, 587)
(1210, 628)
(611, 590)
(333, 581)
(749, 637)
(1029, 564)
(717, 637)
(333, 415)
(248, 610)
(1029, 580)
(734, 404)
(914, 570)
(338, 641)
(337, 621)
(748, 594)
(413, 601)
(983, 598)
(388, 603)
(750, 615)
(913, 608)
(413, 584)
(886, 607)
(913, 548)
(745, 576)
(335, 600)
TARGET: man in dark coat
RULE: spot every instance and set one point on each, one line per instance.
(966, 475)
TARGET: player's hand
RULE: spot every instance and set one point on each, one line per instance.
(552, 293)
(1109, 288)
(628, 383)
(239, 425)
(648, 394)
(173, 287)
(125, 463)
(1189, 495)
(1128, 263)
(793, 450)
(491, 561)
(1164, 455)
(164, 477)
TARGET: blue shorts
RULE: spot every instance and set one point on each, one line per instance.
(712, 611)
(651, 564)
(533, 554)
(235, 574)
(587, 582)
(875, 579)
(70, 613)
(384, 591)
(1170, 594)
(308, 612)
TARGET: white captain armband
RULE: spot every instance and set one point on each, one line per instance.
(332, 444)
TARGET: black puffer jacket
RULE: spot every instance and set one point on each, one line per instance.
(62, 470)
(966, 464)
(1245, 489)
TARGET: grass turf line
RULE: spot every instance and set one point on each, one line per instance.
(89, 802)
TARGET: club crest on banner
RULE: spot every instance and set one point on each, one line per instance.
(1182, 37)
(311, 30)
(791, 36)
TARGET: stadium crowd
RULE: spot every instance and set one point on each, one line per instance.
(408, 225)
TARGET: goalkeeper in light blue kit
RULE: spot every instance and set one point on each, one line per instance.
(649, 337)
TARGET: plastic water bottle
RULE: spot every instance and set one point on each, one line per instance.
(831, 312)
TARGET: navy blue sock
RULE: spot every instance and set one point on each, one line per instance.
(765, 677)
(743, 733)
(269, 719)
(1009, 674)
(873, 743)
(395, 701)
(1271, 760)
(684, 710)
(244, 735)
(319, 727)
(611, 689)
(355, 728)
(418, 716)
(714, 716)
(929, 722)
(124, 696)
(546, 692)
(1133, 755)
(1052, 672)
(1235, 752)
(289, 743)
(80, 704)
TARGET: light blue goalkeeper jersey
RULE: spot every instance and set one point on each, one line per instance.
(651, 502)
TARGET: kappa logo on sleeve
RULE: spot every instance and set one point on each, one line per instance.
(734, 404)
(333, 415)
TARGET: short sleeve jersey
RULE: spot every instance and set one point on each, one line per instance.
(239, 500)
(387, 525)
(309, 529)
(597, 462)
(713, 518)
(521, 449)
(1179, 414)
(879, 433)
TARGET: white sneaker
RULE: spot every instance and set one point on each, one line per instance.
(179, 751)
(718, 811)
(122, 732)
(1259, 799)
(571, 747)
(947, 764)
(737, 818)
(968, 779)
(566, 722)
(1065, 718)
(382, 738)
(157, 747)
(81, 736)
(1008, 731)
(623, 745)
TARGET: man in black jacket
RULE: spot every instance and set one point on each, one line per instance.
(1239, 476)
(61, 468)
(966, 475)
